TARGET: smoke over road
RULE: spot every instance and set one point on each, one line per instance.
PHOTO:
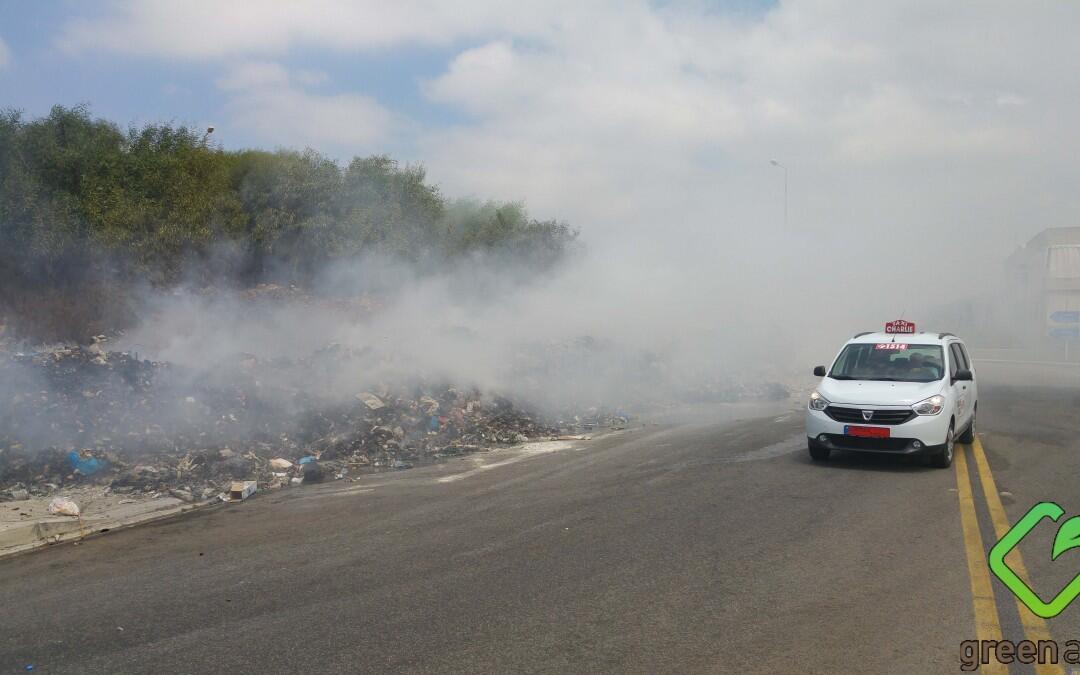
(702, 272)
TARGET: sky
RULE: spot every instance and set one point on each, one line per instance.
(921, 142)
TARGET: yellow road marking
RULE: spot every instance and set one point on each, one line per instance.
(987, 626)
(1035, 628)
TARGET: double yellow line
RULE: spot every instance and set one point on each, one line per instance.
(987, 624)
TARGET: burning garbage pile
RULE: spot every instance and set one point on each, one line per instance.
(85, 415)
(73, 414)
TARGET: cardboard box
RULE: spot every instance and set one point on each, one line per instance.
(241, 490)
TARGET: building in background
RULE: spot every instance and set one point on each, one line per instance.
(1044, 286)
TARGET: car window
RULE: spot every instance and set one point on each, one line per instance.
(889, 361)
(964, 353)
(955, 360)
(843, 361)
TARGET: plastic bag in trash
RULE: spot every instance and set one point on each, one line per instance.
(88, 466)
(62, 506)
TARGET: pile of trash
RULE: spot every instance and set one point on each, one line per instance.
(83, 414)
(86, 415)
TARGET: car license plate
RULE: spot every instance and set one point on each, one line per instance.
(867, 432)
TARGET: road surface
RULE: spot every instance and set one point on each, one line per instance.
(709, 543)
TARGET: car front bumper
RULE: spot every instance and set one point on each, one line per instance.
(924, 434)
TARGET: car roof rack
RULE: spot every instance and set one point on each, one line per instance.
(859, 335)
(942, 335)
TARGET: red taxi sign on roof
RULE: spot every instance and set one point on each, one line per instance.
(900, 326)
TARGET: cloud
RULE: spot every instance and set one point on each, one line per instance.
(622, 119)
(254, 75)
(204, 29)
(1011, 100)
(274, 104)
(651, 125)
(5, 54)
(891, 123)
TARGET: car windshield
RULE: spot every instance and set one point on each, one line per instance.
(889, 362)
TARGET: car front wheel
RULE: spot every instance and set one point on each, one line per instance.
(818, 453)
(944, 458)
(969, 434)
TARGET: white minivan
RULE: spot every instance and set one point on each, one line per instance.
(901, 394)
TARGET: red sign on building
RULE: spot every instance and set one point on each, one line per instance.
(900, 326)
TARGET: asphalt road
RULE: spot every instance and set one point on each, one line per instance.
(707, 543)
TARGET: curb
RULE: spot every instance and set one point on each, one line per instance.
(30, 536)
(35, 535)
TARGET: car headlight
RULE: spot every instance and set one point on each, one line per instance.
(931, 406)
(817, 401)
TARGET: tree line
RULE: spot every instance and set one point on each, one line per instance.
(81, 197)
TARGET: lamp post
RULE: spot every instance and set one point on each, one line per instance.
(778, 164)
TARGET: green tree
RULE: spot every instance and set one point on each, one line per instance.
(82, 199)
(391, 208)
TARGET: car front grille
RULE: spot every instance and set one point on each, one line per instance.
(855, 415)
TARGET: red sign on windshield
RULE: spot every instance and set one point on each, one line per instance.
(900, 326)
(891, 345)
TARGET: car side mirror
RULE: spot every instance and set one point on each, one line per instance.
(819, 371)
(962, 375)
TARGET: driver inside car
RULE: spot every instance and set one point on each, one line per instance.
(920, 368)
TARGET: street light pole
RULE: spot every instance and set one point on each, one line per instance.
(776, 163)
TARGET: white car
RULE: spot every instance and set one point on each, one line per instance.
(912, 394)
